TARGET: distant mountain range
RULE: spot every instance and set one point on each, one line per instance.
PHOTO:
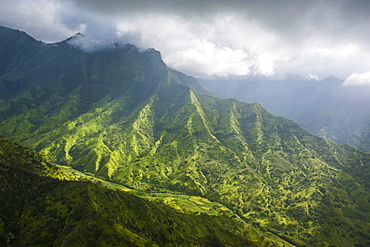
(121, 115)
(325, 108)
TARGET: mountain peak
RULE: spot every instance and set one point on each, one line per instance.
(76, 36)
(122, 115)
(333, 80)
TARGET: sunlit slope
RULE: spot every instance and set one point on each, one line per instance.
(121, 114)
(39, 209)
(325, 108)
(266, 168)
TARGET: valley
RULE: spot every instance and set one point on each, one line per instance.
(139, 131)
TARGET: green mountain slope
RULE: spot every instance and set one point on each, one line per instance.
(42, 207)
(325, 108)
(122, 115)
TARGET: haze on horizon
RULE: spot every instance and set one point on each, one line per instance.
(311, 39)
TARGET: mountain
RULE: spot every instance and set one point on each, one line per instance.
(325, 108)
(122, 115)
(42, 206)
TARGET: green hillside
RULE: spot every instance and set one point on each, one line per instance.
(41, 206)
(120, 114)
(324, 108)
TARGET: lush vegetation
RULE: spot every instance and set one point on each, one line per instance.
(41, 206)
(121, 115)
(325, 107)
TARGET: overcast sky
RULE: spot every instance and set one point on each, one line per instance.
(312, 39)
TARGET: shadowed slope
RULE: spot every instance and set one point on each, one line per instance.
(39, 210)
(122, 115)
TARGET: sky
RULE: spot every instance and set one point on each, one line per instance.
(276, 39)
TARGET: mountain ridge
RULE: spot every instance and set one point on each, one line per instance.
(325, 108)
(54, 208)
(124, 116)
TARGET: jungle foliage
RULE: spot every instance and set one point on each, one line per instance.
(121, 115)
(41, 206)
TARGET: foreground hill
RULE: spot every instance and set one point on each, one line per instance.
(41, 206)
(122, 115)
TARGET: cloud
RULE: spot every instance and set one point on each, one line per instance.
(212, 47)
(357, 80)
(210, 59)
(42, 19)
(314, 77)
(203, 38)
(103, 35)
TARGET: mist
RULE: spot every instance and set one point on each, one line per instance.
(331, 108)
(310, 39)
(305, 60)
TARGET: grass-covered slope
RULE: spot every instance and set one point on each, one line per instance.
(40, 209)
(273, 173)
(122, 115)
(325, 108)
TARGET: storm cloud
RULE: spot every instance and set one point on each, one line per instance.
(312, 39)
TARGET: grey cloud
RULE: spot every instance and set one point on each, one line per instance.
(318, 37)
(293, 20)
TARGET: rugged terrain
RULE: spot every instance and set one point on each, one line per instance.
(120, 114)
(323, 107)
(42, 206)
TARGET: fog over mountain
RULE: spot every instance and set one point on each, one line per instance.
(312, 39)
(329, 108)
(121, 118)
